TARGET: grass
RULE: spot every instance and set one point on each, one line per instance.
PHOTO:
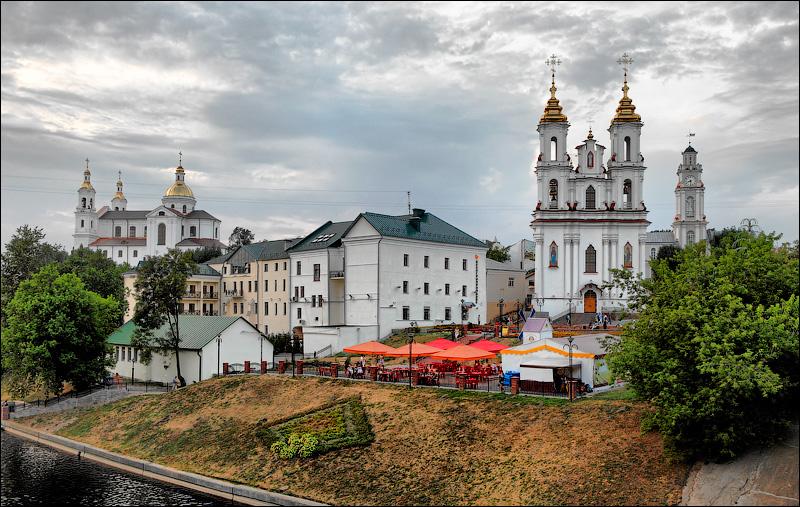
(624, 393)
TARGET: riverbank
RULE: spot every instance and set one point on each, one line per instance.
(427, 446)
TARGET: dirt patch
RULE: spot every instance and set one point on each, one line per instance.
(430, 447)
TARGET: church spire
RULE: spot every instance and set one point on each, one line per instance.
(87, 177)
(626, 111)
(119, 194)
(552, 111)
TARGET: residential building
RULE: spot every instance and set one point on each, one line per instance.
(506, 285)
(202, 296)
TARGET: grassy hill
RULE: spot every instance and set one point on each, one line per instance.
(426, 446)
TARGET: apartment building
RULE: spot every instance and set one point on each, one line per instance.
(202, 296)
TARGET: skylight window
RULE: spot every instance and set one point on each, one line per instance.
(322, 238)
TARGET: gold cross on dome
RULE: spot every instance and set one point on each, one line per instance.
(625, 60)
(87, 163)
(180, 158)
(553, 62)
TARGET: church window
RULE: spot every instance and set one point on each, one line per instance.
(162, 234)
(690, 238)
(184, 208)
(653, 253)
(119, 253)
(628, 256)
(590, 160)
(626, 194)
(91, 203)
(161, 213)
(116, 208)
(81, 223)
(135, 254)
(553, 255)
(627, 149)
(553, 148)
(83, 202)
(192, 231)
(172, 206)
(91, 224)
(590, 200)
(553, 194)
(690, 207)
(117, 231)
(132, 231)
(216, 232)
(591, 260)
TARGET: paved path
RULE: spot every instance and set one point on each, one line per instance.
(762, 477)
(96, 398)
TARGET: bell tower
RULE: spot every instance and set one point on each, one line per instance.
(690, 222)
(119, 202)
(86, 221)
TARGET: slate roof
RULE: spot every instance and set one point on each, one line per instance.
(690, 149)
(502, 266)
(534, 325)
(196, 330)
(198, 213)
(125, 215)
(120, 241)
(311, 242)
(430, 228)
(202, 242)
(660, 237)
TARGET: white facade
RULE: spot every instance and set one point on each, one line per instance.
(545, 352)
(690, 220)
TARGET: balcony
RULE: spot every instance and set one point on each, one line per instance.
(191, 295)
(336, 274)
(233, 293)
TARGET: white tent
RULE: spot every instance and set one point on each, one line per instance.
(538, 359)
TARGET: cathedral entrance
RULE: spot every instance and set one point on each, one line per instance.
(590, 302)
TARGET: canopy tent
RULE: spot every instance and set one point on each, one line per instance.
(442, 343)
(488, 345)
(416, 350)
(369, 348)
(463, 353)
(546, 362)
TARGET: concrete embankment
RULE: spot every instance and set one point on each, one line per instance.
(223, 489)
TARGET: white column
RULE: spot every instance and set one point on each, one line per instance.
(565, 265)
(575, 273)
(604, 261)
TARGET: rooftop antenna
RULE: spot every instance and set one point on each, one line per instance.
(408, 195)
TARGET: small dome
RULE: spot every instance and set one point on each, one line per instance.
(87, 185)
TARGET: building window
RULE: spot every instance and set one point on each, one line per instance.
(216, 232)
(284, 309)
(299, 313)
(266, 308)
(266, 285)
(426, 313)
(464, 264)
(627, 143)
(313, 301)
(626, 194)
(553, 255)
(266, 267)
(690, 238)
(224, 270)
(553, 194)
(132, 231)
(553, 148)
(628, 256)
(590, 159)
(117, 231)
(316, 272)
(119, 253)
(161, 213)
(284, 266)
(425, 289)
(184, 208)
(590, 200)
(298, 268)
(406, 313)
(83, 202)
(447, 263)
(284, 284)
(447, 314)
(405, 260)
(591, 260)
(81, 223)
(135, 254)
(162, 234)
(510, 281)
(426, 262)
(183, 231)
(447, 289)
(192, 231)
(653, 253)
(463, 291)
(249, 286)
(690, 207)
(145, 231)
(405, 287)
(319, 300)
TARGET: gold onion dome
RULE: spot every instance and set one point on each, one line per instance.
(179, 188)
(552, 111)
(626, 111)
(86, 176)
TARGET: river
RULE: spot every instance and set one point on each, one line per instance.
(33, 474)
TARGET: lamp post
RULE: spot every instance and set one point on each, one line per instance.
(569, 318)
(501, 309)
(540, 302)
(132, 365)
(410, 342)
(219, 341)
(570, 339)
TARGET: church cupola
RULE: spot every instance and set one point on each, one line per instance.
(626, 126)
(553, 125)
(119, 202)
(86, 192)
(86, 221)
(179, 196)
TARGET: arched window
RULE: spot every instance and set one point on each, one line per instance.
(652, 253)
(553, 255)
(162, 234)
(590, 160)
(116, 208)
(628, 257)
(553, 148)
(690, 207)
(91, 203)
(626, 194)
(83, 202)
(192, 231)
(591, 260)
(132, 231)
(553, 194)
(184, 208)
(590, 201)
(117, 231)
(627, 149)
(81, 224)
(690, 238)
(172, 206)
(91, 224)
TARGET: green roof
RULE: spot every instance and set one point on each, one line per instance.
(430, 228)
(327, 235)
(196, 330)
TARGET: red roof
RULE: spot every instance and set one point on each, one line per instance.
(120, 241)
(463, 353)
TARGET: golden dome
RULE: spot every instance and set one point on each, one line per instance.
(626, 111)
(179, 189)
(552, 111)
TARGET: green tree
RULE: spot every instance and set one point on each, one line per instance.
(204, 254)
(715, 347)
(669, 253)
(56, 333)
(98, 273)
(499, 253)
(160, 284)
(24, 255)
(240, 236)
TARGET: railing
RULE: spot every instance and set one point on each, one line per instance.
(191, 295)
(233, 293)
(323, 352)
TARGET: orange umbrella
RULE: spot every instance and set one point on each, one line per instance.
(442, 343)
(488, 345)
(463, 353)
(369, 348)
(417, 349)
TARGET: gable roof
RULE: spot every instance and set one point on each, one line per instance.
(201, 242)
(660, 237)
(534, 325)
(501, 266)
(198, 213)
(327, 235)
(429, 228)
(196, 330)
(123, 215)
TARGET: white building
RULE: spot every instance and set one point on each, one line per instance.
(357, 281)
(206, 343)
(123, 233)
(591, 217)
(536, 328)
(543, 359)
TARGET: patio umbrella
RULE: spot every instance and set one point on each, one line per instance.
(463, 353)
(369, 348)
(418, 349)
(442, 343)
(489, 346)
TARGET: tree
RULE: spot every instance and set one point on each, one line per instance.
(239, 237)
(98, 273)
(499, 253)
(670, 254)
(160, 284)
(56, 333)
(715, 347)
(204, 254)
(24, 255)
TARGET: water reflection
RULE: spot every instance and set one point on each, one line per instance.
(33, 474)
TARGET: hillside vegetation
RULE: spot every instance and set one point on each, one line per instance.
(426, 446)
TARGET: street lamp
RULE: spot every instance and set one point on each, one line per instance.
(570, 339)
(540, 302)
(569, 318)
(501, 309)
(410, 342)
(219, 341)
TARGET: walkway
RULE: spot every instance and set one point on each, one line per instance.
(96, 398)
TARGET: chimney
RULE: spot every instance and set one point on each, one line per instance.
(418, 212)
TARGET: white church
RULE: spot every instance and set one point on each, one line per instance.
(591, 216)
(129, 236)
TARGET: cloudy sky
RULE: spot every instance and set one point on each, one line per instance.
(292, 114)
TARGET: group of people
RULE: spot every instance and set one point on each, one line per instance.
(601, 319)
(358, 369)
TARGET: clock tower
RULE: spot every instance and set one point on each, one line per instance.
(689, 225)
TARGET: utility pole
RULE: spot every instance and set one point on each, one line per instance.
(408, 195)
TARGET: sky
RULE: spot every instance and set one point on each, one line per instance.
(291, 114)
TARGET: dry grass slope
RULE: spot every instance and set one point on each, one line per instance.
(430, 446)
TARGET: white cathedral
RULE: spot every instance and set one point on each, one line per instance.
(123, 234)
(591, 217)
